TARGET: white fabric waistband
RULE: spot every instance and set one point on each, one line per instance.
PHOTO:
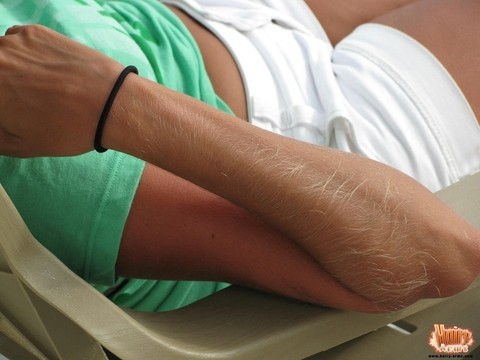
(379, 93)
(409, 112)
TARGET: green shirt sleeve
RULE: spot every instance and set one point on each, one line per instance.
(77, 207)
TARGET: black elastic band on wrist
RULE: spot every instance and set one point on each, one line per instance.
(97, 144)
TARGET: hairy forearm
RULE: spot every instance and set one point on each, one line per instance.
(351, 214)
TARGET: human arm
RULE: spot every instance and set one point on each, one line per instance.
(375, 230)
(179, 231)
(379, 233)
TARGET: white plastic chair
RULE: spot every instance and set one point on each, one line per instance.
(47, 312)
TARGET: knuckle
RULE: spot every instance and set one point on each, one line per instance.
(32, 30)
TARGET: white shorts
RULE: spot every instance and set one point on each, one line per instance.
(378, 93)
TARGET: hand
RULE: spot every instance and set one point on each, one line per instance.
(52, 93)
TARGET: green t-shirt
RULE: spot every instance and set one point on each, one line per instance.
(77, 207)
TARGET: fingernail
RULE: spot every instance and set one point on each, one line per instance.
(11, 28)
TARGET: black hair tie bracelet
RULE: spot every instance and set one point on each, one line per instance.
(97, 144)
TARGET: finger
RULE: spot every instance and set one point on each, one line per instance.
(13, 29)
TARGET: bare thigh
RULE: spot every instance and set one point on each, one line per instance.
(449, 29)
(340, 17)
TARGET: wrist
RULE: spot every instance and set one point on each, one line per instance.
(108, 106)
(120, 132)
